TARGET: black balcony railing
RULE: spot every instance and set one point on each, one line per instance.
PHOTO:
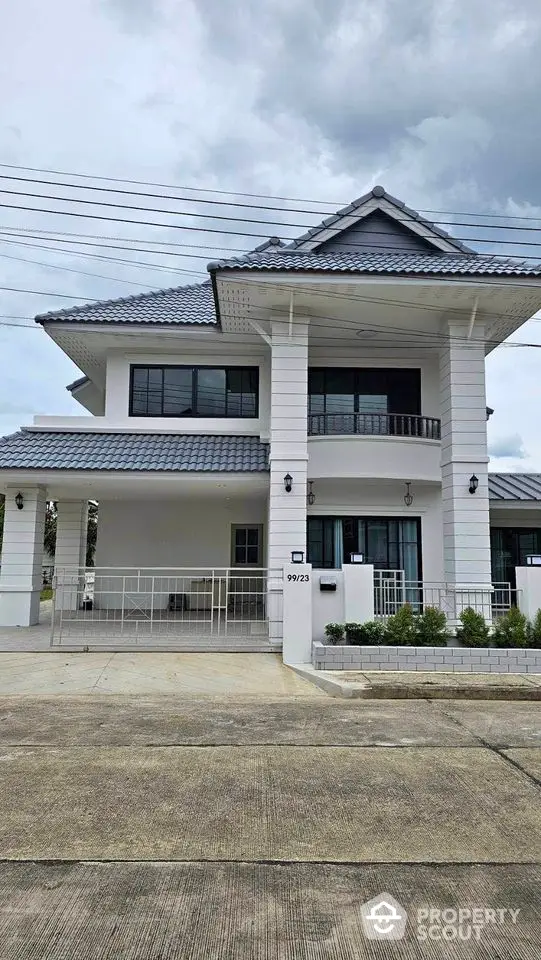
(373, 425)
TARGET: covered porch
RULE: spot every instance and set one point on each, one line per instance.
(181, 555)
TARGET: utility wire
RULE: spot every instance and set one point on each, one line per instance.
(267, 223)
(235, 193)
(228, 203)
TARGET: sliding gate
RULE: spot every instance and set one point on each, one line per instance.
(211, 608)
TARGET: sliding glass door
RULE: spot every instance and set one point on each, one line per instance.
(388, 543)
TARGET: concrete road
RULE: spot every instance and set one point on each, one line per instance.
(217, 828)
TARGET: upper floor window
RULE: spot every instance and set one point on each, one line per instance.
(170, 391)
(345, 390)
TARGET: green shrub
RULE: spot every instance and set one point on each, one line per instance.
(370, 634)
(431, 626)
(334, 633)
(533, 632)
(511, 629)
(353, 632)
(474, 631)
(401, 628)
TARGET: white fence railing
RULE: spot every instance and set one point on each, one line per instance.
(107, 604)
(392, 591)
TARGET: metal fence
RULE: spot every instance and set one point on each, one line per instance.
(173, 607)
(392, 591)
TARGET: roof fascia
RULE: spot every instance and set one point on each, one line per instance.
(385, 206)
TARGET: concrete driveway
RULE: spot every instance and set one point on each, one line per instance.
(143, 827)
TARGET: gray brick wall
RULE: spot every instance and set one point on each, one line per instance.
(447, 659)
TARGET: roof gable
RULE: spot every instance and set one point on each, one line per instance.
(400, 222)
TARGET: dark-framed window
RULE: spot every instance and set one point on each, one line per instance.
(246, 544)
(509, 548)
(180, 391)
(344, 390)
(389, 543)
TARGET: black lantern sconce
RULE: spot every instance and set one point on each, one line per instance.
(408, 496)
(297, 556)
(310, 496)
(474, 483)
(19, 500)
(288, 482)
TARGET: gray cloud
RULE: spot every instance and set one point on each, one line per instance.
(311, 98)
(510, 447)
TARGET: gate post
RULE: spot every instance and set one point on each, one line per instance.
(297, 640)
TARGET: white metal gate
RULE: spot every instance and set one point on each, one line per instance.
(206, 608)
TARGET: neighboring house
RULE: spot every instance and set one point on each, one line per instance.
(326, 397)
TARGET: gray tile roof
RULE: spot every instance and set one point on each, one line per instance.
(48, 450)
(393, 263)
(178, 305)
(380, 193)
(82, 381)
(514, 486)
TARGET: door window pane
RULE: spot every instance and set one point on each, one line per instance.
(210, 396)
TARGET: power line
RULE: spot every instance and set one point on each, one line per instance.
(227, 203)
(153, 267)
(270, 223)
(236, 193)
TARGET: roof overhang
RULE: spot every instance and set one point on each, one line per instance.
(399, 303)
(144, 485)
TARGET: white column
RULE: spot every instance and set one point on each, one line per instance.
(21, 575)
(288, 453)
(297, 646)
(358, 592)
(70, 553)
(466, 528)
(528, 590)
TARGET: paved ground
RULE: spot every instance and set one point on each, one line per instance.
(178, 674)
(143, 827)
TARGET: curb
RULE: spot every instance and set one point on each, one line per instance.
(369, 690)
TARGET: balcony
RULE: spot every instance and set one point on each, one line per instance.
(373, 425)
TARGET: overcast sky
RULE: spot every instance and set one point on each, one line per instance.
(317, 99)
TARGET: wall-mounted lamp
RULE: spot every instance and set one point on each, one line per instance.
(474, 483)
(310, 497)
(297, 556)
(19, 500)
(356, 558)
(288, 482)
(408, 496)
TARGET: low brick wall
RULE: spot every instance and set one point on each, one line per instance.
(447, 659)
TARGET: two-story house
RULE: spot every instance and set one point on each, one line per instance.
(325, 397)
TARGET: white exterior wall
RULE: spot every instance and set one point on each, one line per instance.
(117, 395)
(172, 533)
(466, 535)
(191, 534)
(371, 499)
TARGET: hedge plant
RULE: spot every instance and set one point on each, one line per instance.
(474, 631)
(511, 629)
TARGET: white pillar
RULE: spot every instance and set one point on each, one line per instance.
(288, 453)
(528, 590)
(358, 592)
(21, 575)
(297, 641)
(70, 553)
(466, 527)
